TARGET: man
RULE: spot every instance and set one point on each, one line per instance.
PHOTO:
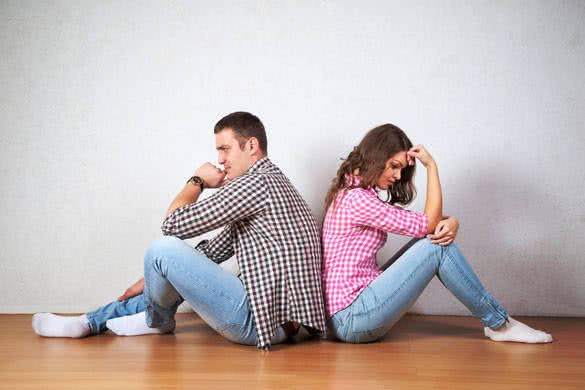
(266, 224)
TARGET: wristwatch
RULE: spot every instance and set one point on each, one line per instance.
(196, 180)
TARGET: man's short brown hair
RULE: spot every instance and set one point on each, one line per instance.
(244, 126)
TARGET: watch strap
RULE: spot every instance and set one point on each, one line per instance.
(196, 180)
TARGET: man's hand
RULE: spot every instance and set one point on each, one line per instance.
(211, 175)
(445, 232)
(136, 289)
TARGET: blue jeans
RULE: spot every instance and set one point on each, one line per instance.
(390, 295)
(174, 272)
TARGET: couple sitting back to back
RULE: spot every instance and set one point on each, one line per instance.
(290, 277)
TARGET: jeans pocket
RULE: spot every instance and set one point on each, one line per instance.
(337, 325)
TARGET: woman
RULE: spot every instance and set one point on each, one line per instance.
(363, 302)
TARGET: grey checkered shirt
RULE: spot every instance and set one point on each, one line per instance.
(269, 227)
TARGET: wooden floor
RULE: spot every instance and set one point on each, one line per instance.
(421, 352)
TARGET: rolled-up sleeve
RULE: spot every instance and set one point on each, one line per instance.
(242, 198)
(367, 210)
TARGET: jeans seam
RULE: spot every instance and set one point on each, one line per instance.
(497, 311)
(485, 299)
(469, 283)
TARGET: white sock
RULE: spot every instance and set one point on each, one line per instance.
(51, 325)
(516, 331)
(135, 325)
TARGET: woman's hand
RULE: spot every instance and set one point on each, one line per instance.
(445, 232)
(136, 289)
(419, 152)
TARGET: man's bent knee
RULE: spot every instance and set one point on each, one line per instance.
(166, 242)
(162, 244)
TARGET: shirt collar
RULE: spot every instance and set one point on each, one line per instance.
(353, 180)
(260, 165)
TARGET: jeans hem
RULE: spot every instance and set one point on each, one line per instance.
(497, 311)
(93, 328)
(157, 316)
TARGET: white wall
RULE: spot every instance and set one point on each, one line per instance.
(107, 107)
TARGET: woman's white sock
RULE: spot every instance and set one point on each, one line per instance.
(518, 332)
(135, 325)
(51, 325)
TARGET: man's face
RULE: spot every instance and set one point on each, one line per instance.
(235, 161)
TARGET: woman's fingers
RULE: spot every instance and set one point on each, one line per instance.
(449, 236)
(436, 236)
(419, 152)
(440, 231)
(447, 243)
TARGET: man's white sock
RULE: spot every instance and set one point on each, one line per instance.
(135, 325)
(51, 325)
(516, 331)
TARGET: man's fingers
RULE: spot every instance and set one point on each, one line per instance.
(226, 180)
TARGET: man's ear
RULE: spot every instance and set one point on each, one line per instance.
(254, 146)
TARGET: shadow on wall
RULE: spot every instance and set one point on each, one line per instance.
(519, 239)
(322, 164)
(515, 235)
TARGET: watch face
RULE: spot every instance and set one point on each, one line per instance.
(196, 180)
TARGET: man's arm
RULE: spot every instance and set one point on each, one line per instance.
(239, 199)
(212, 177)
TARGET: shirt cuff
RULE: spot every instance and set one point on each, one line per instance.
(424, 226)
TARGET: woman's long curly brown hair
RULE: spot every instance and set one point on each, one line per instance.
(369, 159)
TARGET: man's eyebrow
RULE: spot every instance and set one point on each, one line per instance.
(222, 147)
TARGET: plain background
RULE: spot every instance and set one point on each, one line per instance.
(106, 108)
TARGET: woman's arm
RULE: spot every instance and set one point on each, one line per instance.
(445, 232)
(434, 202)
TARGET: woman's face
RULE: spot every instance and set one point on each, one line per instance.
(392, 171)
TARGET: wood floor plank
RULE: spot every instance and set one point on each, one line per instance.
(421, 352)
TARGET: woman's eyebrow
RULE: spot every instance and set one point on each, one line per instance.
(399, 163)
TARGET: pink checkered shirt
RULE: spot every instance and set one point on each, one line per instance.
(352, 235)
